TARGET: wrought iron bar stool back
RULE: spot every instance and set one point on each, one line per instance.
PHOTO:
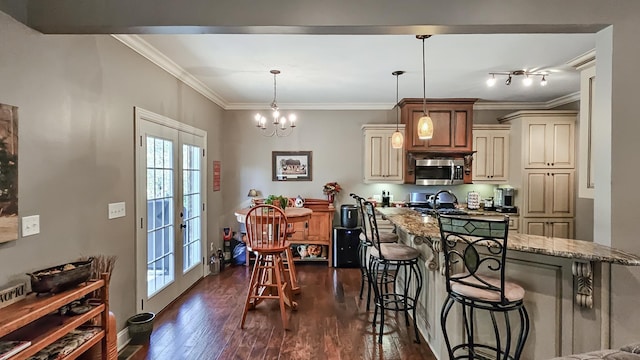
(394, 274)
(364, 243)
(475, 253)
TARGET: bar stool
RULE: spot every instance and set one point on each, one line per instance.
(266, 237)
(363, 245)
(394, 274)
(480, 285)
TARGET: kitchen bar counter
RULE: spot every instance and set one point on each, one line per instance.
(567, 283)
(413, 223)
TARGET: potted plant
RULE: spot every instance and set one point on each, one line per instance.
(277, 200)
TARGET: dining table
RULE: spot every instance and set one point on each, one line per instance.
(293, 214)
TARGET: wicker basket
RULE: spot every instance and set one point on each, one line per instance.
(42, 281)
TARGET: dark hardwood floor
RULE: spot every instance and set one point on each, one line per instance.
(330, 322)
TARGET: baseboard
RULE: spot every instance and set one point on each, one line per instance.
(123, 338)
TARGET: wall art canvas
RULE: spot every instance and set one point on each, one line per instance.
(8, 173)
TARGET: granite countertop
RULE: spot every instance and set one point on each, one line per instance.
(413, 223)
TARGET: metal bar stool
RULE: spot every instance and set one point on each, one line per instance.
(480, 285)
(394, 274)
(363, 245)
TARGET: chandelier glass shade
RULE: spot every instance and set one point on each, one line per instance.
(282, 125)
(425, 124)
(397, 139)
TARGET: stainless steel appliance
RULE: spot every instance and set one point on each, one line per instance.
(504, 200)
(349, 216)
(439, 171)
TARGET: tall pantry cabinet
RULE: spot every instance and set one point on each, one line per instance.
(542, 160)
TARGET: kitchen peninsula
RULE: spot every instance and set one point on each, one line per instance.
(567, 284)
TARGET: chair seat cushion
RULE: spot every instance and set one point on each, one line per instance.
(385, 237)
(393, 251)
(512, 291)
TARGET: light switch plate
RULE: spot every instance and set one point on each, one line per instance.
(117, 210)
(30, 225)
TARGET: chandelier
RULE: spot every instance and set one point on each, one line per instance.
(425, 124)
(280, 126)
(527, 77)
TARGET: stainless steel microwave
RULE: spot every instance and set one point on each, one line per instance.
(439, 171)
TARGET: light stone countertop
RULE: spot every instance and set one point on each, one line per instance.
(413, 223)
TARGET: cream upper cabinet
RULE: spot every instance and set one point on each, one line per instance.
(382, 163)
(549, 143)
(548, 193)
(491, 157)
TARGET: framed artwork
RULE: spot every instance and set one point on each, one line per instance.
(8, 173)
(291, 166)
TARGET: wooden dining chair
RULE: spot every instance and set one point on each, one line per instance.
(266, 237)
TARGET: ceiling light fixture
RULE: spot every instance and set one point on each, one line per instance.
(425, 124)
(397, 139)
(279, 123)
(527, 79)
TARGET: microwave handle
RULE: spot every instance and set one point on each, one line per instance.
(453, 173)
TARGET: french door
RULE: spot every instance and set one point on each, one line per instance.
(170, 203)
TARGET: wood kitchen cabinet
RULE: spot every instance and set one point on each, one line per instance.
(491, 154)
(382, 163)
(317, 230)
(452, 125)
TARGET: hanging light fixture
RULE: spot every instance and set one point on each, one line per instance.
(425, 124)
(280, 126)
(397, 139)
(527, 77)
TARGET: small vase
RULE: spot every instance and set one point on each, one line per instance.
(330, 198)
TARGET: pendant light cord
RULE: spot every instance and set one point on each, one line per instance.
(397, 107)
(424, 82)
(274, 104)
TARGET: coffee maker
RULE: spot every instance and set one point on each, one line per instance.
(504, 200)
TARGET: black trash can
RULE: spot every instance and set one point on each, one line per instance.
(349, 216)
(140, 328)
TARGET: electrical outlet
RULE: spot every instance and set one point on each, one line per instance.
(117, 210)
(30, 225)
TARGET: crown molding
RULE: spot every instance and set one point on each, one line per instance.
(145, 49)
(542, 105)
(585, 60)
(311, 106)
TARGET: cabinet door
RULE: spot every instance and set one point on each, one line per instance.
(452, 126)
(382, 163)
(549, 193)
(550, 227)
(549, 143)
(300, 231)
(491, 157)
(320, 227)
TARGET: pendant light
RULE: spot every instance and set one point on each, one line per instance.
(397, 139)
(425, 124)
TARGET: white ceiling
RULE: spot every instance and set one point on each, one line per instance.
(354, 71)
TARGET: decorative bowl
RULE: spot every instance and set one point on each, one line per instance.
(59, 278)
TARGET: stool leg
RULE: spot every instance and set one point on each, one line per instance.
(291, 269)
(524, 331)
(508, 340)
(416, 299)
(363, 267)
(446, 307)
(252, 286)
(381, 299)
(278, 269)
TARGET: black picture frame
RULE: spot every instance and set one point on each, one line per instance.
(291, 166)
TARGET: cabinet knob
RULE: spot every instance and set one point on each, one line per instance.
(552, 164)
(548, 174)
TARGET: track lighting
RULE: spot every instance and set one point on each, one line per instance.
(527, 79)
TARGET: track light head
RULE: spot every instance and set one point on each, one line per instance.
(508, 81)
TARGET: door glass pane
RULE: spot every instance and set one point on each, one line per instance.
(191, 200)
(160, 221)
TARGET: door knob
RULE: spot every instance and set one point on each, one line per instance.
(183, 226)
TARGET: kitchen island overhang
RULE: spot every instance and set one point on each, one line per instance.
(567, 283)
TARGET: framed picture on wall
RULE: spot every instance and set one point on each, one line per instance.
(291, 166)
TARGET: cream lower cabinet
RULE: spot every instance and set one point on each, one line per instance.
(491, 157)
(382, 163)
(550, 227)
(548, 193)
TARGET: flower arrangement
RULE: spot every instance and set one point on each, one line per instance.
(331, 188)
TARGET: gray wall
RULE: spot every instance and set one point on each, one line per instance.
(76, 96)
